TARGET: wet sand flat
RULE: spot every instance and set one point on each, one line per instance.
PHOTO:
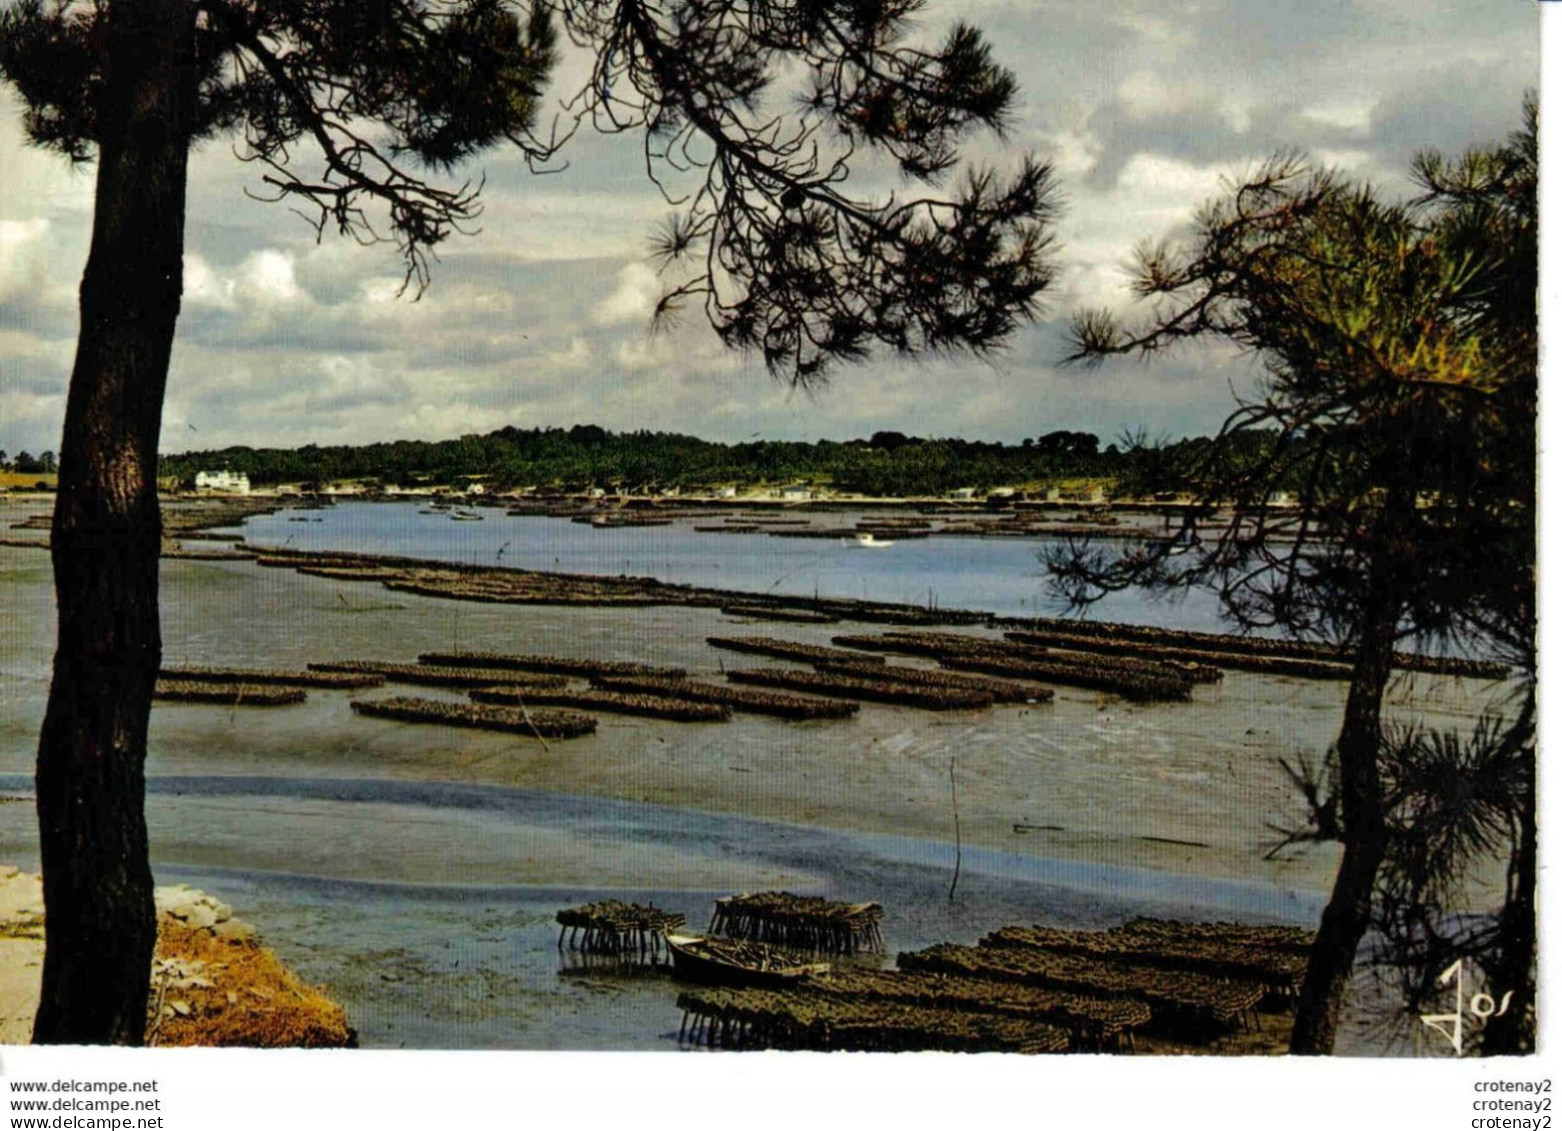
(1188, 787)
(368, 848)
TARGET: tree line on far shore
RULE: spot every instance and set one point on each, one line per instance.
(885, 464)
(25, 463)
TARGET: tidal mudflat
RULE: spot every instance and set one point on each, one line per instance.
(415, 870)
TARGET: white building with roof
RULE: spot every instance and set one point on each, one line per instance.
(223, 482)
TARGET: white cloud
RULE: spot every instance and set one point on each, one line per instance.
(265, 280)
(23, 258)
(430, 419)
(560, 217)
(202, 287)
(1159, 26)
(1349, 117)
(1146, 94)
(383, 290)
(267, 277)
(1074, 150)
(34, 418)
(1152, 197)
(38, 182)
(1237, 111)
(540, 318)
(574, 356)
(634, 298)
(1161, 188)
(14, 233)
(1352, 161)
(689, 349)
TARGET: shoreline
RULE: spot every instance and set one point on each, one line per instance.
(1098, 784)
(1081, 757)
(212, 982)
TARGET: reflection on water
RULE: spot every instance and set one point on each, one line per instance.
(415, 871)
(477, 965)
(998, 575)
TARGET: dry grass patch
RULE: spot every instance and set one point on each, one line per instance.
(228, 992)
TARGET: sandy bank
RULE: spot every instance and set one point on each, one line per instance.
(212, 981)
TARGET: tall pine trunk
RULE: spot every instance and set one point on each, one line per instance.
(97, 882)
(1348, 913)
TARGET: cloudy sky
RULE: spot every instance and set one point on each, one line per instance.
(541, 319)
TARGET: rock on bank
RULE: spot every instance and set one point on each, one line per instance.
(212, 981)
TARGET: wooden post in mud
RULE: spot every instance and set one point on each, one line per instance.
(954, 805)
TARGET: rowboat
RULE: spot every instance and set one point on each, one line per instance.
(728, 962)
(466, 516)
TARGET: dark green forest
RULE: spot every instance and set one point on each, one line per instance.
(887, 463)
(573, 459)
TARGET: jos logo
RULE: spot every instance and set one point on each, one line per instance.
(1480, 1006)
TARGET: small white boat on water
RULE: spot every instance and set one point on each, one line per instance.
(868, 541)
(465, 516)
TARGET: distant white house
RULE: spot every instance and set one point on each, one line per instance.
(963, 494)
(797, 491)
(222, 482)
(726, 492)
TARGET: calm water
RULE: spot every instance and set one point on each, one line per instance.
(998, 575)
(415, 871)
(476, 965)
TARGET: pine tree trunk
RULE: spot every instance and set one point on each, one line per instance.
(1349, 910)
(97, 882)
